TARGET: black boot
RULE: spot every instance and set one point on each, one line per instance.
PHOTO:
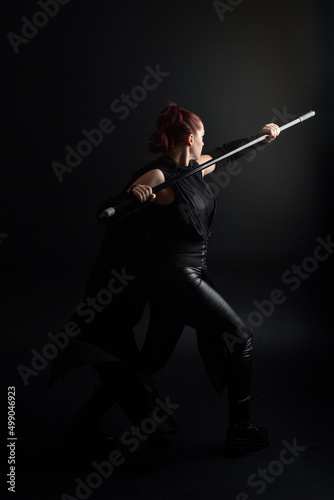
(242, 435)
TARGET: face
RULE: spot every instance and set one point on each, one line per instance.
(197, 145)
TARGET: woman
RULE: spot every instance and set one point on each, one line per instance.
(180, 291)
(158, 255)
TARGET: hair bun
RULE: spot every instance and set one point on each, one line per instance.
(170, 117)
(173, 125)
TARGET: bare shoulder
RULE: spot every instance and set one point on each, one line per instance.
(151, 178)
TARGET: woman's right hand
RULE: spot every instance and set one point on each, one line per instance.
(142, 192)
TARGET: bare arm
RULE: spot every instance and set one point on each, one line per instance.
(142, 188)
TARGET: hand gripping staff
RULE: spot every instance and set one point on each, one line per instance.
(133, 204)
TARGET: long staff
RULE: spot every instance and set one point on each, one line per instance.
(134, 203)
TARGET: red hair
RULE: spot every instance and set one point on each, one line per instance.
(173, 125)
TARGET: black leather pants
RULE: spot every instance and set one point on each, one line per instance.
(186, 296)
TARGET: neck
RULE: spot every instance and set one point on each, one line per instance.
(182, 157)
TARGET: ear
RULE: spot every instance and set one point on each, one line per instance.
(190, 140)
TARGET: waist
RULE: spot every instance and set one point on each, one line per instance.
(181, 254)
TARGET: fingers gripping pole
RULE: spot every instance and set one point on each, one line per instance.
(109, 212)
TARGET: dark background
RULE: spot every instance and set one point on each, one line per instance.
(265, 61)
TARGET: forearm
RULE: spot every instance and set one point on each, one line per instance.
(231, 146)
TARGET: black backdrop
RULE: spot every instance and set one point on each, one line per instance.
(236, 64)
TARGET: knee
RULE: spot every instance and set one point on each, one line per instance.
(240, 341)
(246, 345)
(247, 334)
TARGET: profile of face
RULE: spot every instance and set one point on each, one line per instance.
(197, 143)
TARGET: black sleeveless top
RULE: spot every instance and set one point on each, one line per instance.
(179, 232)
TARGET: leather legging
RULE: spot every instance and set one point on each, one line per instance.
(186, 296)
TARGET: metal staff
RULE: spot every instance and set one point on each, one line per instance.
(134, 203)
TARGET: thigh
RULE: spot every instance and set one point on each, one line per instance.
(201, 305)
(186, 296)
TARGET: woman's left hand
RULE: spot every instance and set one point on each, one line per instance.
(272, 130)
